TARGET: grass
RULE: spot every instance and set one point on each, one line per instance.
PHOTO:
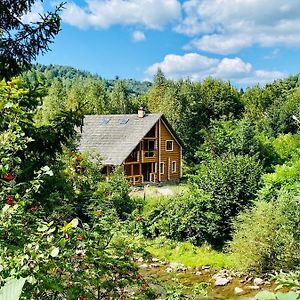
(189, 255)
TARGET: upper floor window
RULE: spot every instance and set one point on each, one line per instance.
(169, 145)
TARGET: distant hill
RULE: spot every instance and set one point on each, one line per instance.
(48, 72)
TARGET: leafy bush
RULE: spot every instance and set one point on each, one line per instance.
(267, 237)
(231, 183)
(286, 176)
(185, 217)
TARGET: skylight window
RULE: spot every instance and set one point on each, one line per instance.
(104, 121)
(123, 121)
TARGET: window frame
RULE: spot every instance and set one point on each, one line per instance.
(162, 168)
(174, 163)
(167, 144)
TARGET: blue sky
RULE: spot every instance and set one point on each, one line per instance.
(244, 41)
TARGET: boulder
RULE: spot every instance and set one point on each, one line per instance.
(258, 281)
(238, 291)
(221, 281)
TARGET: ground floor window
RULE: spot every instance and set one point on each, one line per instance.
(162, 168)
(174, 167)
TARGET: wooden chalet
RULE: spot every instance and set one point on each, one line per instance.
(144, 144)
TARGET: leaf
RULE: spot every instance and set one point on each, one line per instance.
(42, 228)
(54, 252)
(8, 105)
(265, 295)
(47, 170)
(287, 296)
(12, 289)
(74, 223)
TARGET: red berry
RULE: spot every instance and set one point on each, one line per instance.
(34, 208)
(10, 200)
(8, 177)
(126, 253)
(80, 237)
(81, 298)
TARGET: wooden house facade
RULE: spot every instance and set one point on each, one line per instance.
(144, 144)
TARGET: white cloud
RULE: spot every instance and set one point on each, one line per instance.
(232, 68)
(262, 77)
(197, 67)
(153, 14)
(221, 44)
(138, 36)
(190, 65)
(226, 26)
(34, 15)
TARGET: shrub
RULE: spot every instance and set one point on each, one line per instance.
(185, 217)
(231, 183)
(267, 237)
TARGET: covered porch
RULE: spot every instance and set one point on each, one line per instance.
(138, 173)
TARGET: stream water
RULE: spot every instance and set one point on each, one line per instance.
(190, 278)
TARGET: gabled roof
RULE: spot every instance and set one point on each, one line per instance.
(115, 136)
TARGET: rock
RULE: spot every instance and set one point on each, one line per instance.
(163, 262)
(154, 265)
(198, 273)
(221, 281)
(144, 266)
(140, 260)
(258, 281)
(238, 291)
(176, 265)
(155, 259)
(205, 267)
(169, 270)
(253, 287)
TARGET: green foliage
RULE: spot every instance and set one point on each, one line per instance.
(236, 137)
(265, 295)
(67, 249)
(267, 236)
(231, 183)
(289, 280)
(186, 217)
(116, 191)
(285, 176)
(287, 147)
(21, 43)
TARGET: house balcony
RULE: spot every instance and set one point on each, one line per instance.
(149, 155)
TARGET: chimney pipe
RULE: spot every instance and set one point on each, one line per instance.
(141, 112)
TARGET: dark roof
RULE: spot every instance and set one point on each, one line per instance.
(115, 136)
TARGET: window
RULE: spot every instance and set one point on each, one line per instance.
(123, 121)
(104, 121)
(162, 168)
(173, 166)
(169, 145)
(150, 148)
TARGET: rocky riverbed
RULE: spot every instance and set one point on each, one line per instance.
(220, 284)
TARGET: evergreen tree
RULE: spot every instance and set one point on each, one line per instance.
(21, 43)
